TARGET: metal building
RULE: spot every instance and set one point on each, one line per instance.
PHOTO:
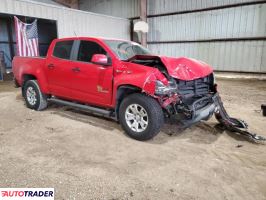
(228, 34)
(118, 8)
(55, 21)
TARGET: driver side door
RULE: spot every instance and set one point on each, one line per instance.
(91, 83)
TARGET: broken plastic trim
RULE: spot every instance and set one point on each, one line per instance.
(232, 124)
(150, 84)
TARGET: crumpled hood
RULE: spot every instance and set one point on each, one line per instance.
(186, 68)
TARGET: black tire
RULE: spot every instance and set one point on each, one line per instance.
(40, 102)
(155, 117)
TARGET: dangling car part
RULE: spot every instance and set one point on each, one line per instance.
(233, 124)
(198, 100)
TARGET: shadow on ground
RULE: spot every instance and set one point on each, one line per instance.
(203, 132)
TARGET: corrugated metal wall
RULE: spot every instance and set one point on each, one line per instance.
(245, 21)
(50, 2)
(166, 6)
(119, 8)
(186, 31)
(241, 56)
(191, 30)
(69, 21)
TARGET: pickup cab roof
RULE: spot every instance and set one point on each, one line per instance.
(90, 38)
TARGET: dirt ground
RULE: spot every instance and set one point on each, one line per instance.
(88, 157)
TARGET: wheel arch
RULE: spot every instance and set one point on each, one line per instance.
(122, 92)
(25, 78)
(32, 76)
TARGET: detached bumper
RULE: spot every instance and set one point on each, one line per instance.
(215, 106)
(202, 113)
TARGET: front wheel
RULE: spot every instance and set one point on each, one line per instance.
(141, 116)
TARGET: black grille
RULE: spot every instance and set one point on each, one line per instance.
(195, 88)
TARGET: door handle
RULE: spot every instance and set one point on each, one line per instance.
(51, 66)
(76, 69)
(118, 71)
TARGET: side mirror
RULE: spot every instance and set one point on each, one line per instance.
(100, 59)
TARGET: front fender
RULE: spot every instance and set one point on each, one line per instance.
(144, 80)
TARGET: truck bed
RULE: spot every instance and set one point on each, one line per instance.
(25, 65)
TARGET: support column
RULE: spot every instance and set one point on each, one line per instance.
(69, 3)
(143, 17)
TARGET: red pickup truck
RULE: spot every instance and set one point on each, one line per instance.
(122, 80)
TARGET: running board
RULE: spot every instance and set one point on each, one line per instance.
(90, 109)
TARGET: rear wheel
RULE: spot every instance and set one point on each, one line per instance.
(141, 116)
(33, 96)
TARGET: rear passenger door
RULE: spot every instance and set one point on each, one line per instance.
(91, 83)
(59, 72)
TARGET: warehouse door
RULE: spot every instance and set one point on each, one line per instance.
(47, 31)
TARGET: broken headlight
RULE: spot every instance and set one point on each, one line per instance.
(162, 89)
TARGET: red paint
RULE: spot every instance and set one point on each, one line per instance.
(99, 58)
(97, 84)
(186, 68)
(172, 99)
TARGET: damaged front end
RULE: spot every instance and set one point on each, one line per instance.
(187, 101)
(192, 101)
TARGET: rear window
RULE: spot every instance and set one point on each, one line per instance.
(63, 49)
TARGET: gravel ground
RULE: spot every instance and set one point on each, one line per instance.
(88, 157)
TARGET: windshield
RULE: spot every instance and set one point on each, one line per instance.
(125, 50)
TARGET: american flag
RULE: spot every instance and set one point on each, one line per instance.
(27, 38)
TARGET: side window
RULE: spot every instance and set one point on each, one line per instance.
(63, 49)
(87, 49)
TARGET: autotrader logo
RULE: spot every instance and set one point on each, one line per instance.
(26, 193)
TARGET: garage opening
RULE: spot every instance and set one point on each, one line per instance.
(47, 31)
